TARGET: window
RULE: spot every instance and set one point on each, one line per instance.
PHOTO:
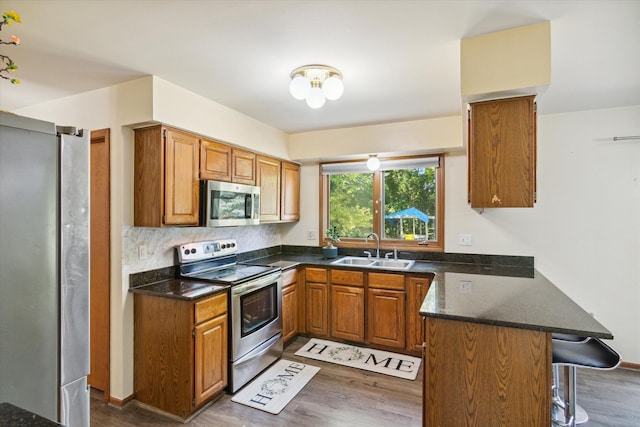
(402, 202)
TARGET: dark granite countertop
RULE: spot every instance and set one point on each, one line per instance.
(180, 289)
(519, 302)
(11, 415)
(479, 289)
(514, 296)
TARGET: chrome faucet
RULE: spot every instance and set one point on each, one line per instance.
(394, 253)
(366, 240)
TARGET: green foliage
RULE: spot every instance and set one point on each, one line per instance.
(351, 201)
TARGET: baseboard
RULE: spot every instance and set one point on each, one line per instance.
(118, 403)
(630, 365)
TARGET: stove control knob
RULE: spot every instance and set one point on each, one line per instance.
(224, 246)
(233, 245)
(186, 251)
(193, 251)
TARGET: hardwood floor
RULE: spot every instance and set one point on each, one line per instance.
(341, 396)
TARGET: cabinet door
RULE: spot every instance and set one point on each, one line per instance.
(210, 358)
(347, 313)
(290, 205)
(243, 167)
(317, 304)
(181, 178)
(289, 312)
(215, 161)
(268, 175)
(416, 292)
(502, 153)
(386, 317)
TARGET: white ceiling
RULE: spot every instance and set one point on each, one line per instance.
(400, 59)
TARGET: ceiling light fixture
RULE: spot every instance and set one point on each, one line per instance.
(373, 163)
(316, 83)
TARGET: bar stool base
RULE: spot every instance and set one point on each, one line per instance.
(557, 413)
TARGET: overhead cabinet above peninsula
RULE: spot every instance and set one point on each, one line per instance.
(502, 153)
(169, 164)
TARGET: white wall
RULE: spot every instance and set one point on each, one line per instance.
(147, 100)
(584, 231)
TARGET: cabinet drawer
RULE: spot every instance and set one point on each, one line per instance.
(386, 281)
(317, 275)
(289, 277)
(210, 308)
(343, 277)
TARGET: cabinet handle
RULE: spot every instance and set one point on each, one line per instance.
(495, 199)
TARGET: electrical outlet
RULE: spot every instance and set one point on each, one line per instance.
(142, 252)
(465, 240)
(311, 235)
(466, 286)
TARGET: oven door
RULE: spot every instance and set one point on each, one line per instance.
(255, 313)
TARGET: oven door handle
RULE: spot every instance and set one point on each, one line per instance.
(255, 284)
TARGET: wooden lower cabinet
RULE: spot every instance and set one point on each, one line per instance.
(386, 310)
(485, 375)
(317, 301)
(417, 287)
(289, 305)
(347, 312)
(180, 352)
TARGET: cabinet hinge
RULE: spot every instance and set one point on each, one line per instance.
(535, 107)
(535, 197)
(193, 402)
(164, 134)
(193, 333)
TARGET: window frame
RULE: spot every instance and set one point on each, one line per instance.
(387, 244)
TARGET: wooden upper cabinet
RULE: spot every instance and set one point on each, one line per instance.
(166, 178)
(268, 174)
(215, 161)
(221, 162)
(243, 167)
(502, 153)
(290, 205)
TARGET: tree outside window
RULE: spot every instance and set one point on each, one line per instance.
(402, 202)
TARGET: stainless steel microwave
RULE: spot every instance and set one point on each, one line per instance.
(228, 204)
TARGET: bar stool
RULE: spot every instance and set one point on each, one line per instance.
(592, 353)
(558, 403)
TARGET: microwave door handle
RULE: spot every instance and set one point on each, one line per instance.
(248, 205)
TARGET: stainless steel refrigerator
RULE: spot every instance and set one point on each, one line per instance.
(44, 268)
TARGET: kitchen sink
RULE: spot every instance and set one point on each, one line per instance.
(395, 264)
(354, 260)
(401, 264)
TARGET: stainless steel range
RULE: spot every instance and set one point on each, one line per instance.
(255, 304)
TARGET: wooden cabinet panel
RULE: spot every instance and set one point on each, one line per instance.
(210, 358)
(502, 153)
(347, 277)
(163, 374)
(243, 167)
(215, 161)
(290, 204)
(417, 288)
(347, 313)
(318, 275)
(317, 305)
(268, 175)
(386, 317)
(176, 361)
(210, 308)
(386, 281)
(482, 375)
(289, 312)
(166, 178)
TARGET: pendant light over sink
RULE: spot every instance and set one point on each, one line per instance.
(316, 84)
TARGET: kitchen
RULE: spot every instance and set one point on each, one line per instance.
(577, 141)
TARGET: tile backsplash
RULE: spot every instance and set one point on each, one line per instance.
(160, 242)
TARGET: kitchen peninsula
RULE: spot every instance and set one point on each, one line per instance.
(488, 348)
